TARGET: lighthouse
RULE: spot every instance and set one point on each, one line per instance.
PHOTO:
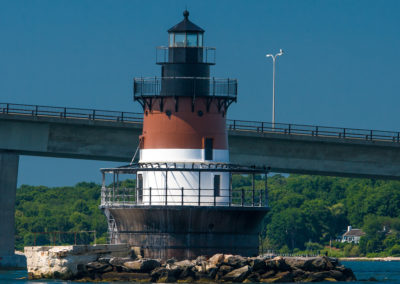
(184, 202)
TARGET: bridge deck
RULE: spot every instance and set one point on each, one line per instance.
(112, 135)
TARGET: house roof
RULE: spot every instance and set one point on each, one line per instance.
(354, 233)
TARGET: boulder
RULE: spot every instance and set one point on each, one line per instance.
(303, 263)
(223, 269)
(187, 272)
(320, 264)
(216, 259)
(348, 274)
(142, 265)
(330, 280)
(268, 274)
(184, 263)
(236, 261)
(319, 276)
(336, 274)
(237, 275)
(280, 264)
(119, 261)
(200, 259)
(96, 265)
(285, 276)
(270, 264)
(258, 265)
(156, 273)
(252, 277)
(226, 257)
(299, 275)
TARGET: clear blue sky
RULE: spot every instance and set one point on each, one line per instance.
(340, 67)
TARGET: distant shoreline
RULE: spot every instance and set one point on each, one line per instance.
(389, 258)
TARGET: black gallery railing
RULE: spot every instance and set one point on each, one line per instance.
(234, 125)
(181, 86)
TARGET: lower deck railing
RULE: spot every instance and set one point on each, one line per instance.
(126, 197)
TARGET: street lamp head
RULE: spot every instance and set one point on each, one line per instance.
(280, 52)
(268, 55)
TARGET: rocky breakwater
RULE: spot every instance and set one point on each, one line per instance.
(218, 268)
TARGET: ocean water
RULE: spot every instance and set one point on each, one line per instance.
(384, 271)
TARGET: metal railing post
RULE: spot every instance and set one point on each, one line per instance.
(94, 114)
(242, 201)
(199, 188)
(316, 130)
(262, 127)
(150, 196)
(8, 107)
(182, 196)
(371, 134)
(234, 125)
(166, 188)
(213, 86)
(266, 190)
(290, 126)
(253, 189)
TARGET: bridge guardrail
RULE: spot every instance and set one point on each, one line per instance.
(235, 125)
(70, 113)
(311, 130)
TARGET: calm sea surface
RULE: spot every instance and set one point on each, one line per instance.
(384, 272)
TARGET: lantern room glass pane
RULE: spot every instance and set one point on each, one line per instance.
(200, 40)
(180, 40)
(171, 39)
(191, 39)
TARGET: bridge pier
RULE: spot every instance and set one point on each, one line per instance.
(8, 186)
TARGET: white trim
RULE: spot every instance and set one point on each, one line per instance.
(181, 155)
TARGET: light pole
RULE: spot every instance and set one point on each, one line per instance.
(273, 83)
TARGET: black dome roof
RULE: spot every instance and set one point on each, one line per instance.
(186, 25)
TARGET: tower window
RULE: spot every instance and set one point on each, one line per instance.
(217, 185)
(208, 149)
(180, 40)
(140, 188)
(191, 39)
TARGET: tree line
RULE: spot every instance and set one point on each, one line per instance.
(306, 212)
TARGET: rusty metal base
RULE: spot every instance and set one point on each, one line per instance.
(187, 232)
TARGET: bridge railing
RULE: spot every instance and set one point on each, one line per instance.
(313, 130)
(236, 125)
(70, 113)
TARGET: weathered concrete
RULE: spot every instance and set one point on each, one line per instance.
(65, 261)
(8, 186)
(187, 232)
(316, 155)
(117, 141)
(69, 138)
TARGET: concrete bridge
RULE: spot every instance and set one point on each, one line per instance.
(113, 136)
